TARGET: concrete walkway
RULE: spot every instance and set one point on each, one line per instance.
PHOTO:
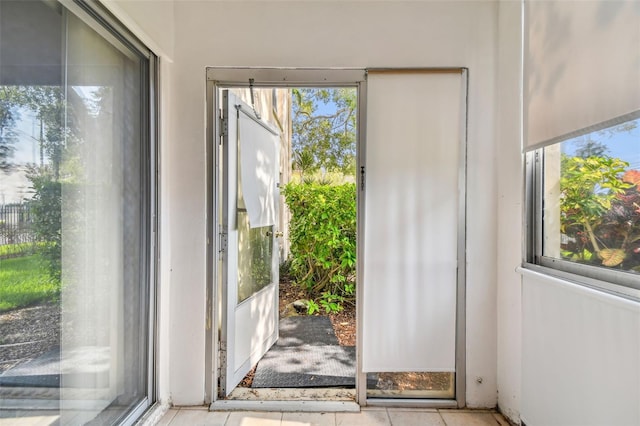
(366, 417)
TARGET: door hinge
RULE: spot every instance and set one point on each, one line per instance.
(223, 242)
(224, 128)
(222, 368)
(362, 178)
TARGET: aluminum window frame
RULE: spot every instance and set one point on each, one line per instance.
(621, 283)
(99, 18)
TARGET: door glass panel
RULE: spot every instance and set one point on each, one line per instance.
(411, 385)
(255, 253)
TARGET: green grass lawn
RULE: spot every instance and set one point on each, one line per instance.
(24, 281)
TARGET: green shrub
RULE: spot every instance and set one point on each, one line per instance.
(322, 232)
(600, 214)
(46, 206)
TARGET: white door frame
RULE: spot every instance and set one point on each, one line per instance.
(238, 77)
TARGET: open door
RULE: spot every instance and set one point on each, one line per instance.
(250, 259)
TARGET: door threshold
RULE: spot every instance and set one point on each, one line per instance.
(293, 394)
(287, 406)
(287, 399)
(412, 403)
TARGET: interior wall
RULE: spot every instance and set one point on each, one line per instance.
(509, 182)
(580, 346)
(317, 34)
(580, 355)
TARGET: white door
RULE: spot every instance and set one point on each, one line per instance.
(250, 259)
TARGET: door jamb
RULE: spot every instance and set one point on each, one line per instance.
(225, 77)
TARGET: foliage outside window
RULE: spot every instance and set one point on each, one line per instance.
(591, 199)
(324, 130)
(322, 196)
(323, 242)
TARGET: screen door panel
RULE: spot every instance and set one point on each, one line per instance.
(411, 221)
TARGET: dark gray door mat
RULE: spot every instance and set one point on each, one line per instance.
(306, 330)
(306, 366)
(306, 354)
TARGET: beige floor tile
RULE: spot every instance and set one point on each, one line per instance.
(469, 419)
(365, 418)
(401, 417)
(308, 419)
(188, 417)
(501, 420)
(254, 418)
(167, 417)
(29, 418)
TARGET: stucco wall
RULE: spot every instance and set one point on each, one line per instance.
(509, 232)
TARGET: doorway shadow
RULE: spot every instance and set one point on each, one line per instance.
(307, 354)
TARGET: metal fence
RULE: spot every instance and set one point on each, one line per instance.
(16, 224)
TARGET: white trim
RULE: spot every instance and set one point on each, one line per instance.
(135, 29)
(601, 287)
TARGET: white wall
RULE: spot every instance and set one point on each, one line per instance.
(483, 36)
(580, 355)
(509, 235)
(151, 21)
(580, 347)
(317, 34)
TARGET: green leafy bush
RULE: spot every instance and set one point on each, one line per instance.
(600, 212)
(46, 206)
(322, 232)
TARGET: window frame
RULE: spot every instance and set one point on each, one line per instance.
(617, 282)
(99, 18)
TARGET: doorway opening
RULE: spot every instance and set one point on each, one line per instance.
(287, 175)
(410, 316)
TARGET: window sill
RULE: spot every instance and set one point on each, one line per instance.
(598, 285)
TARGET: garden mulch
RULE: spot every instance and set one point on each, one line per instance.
(28, 333)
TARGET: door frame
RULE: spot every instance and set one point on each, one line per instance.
(238, 77)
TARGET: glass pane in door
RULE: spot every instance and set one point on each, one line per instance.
(255, 254)
(411, 385)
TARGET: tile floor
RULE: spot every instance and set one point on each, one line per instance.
(366, 417)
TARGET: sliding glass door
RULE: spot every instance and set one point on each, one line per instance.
(77, 206)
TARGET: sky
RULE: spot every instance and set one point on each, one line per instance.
(624, 144)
